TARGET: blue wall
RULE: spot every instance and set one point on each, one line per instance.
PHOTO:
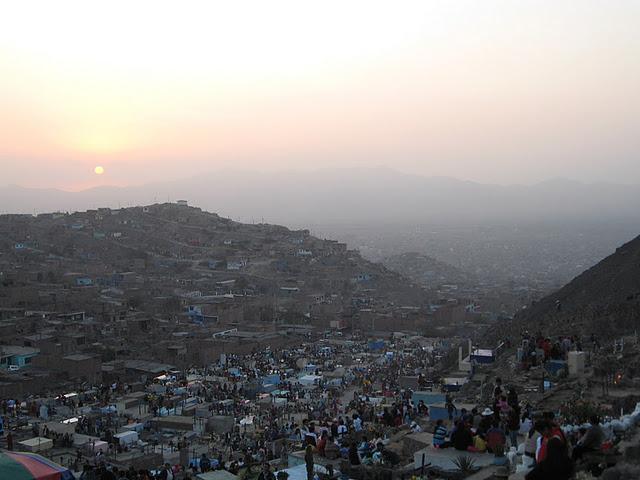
(429, 398)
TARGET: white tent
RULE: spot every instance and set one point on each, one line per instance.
(309, 380)
(126, 438)
(36, 444)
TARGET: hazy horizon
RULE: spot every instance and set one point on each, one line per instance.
(493, 92)
(352, 196)
(327, 170)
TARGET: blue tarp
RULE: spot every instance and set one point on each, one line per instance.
(438, 413)
(555, 366)
(269, 387)
(273, 378)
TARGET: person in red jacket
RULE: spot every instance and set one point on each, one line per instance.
(550, 431)
(556, 465)
(496, 437)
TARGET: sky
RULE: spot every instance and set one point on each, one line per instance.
(491, 91)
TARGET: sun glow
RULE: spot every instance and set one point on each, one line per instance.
(435, 87)
(108, 75)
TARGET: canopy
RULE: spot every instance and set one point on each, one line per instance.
(30, 466)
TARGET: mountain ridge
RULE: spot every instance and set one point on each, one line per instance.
(352, 195)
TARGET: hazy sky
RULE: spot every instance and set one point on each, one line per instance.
(487, 90)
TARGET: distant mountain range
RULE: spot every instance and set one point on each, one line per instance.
(345, 196)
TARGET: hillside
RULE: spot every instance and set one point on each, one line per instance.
(604, 300)
(166, 258)
(425, 270)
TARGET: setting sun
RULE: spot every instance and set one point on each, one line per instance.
(430, 87)
(99, 170)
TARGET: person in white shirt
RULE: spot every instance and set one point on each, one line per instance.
(357, 423)
(342, 429)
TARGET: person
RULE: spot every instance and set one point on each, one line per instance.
(357, 423)
(364, 447)
(462, 438)
(556, 465)
(541, 442)
(386, 456)
(234, 467)
(476, 417)
(502, 405)
(591, 441)
(513, 424)
(322, 444)
(497, 388)
(451, 408)
(496, 438)
(440, 435)
(166, 473)
(376, 456)
(479, 443)
(466, 416)
(334, 428)
(106, 474)
(512, 398)
(266, 473)
(486, 421)
(297, 435)
(342, 428)
(531, 443)
(354, 458)
(310, 435)
(550, 430)
(205, 463)
(387, 418)
(308, 460)
(10, 441)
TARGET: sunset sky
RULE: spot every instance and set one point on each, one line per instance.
(485, 90)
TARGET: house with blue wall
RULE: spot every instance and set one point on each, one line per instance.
(14, 355)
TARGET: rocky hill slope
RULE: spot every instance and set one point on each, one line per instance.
(604, 300)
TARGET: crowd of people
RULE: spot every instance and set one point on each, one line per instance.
(349, 420)
(536, 349)
(550, 452)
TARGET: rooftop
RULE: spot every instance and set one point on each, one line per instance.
(10, 350)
